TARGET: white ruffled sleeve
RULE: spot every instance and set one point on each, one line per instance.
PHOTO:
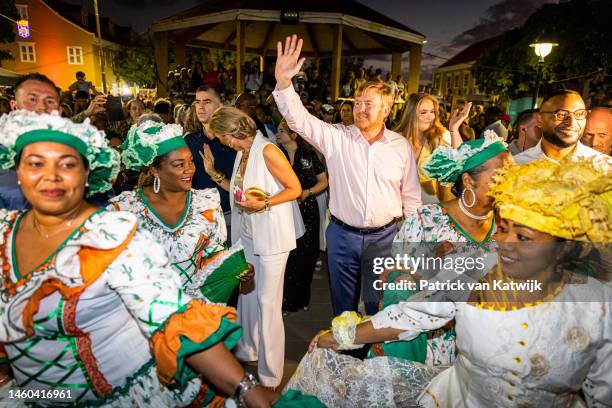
(149, 288)
(414, 317)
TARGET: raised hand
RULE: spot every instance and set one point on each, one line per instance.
(288, 61)
(459, 116)
(209, 160)
(97, 105)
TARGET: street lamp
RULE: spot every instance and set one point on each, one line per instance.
(100, 50)
(541, 49)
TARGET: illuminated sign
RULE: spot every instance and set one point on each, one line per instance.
(23, 29)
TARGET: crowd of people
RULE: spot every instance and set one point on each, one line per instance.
(149, 255)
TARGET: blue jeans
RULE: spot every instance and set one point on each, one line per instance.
(350, 256)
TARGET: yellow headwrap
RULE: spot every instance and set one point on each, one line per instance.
(571, 199)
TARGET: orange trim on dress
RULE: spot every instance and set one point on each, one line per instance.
(209, 215)
(93, 263)
(217, 401)
(200, 245)
(201, 263)
(101, 387)
(197, 322)
(7, 284)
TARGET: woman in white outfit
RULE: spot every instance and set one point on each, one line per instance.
(266, 221)
(540, 347)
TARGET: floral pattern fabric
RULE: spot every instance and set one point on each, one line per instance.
(190, 244)
(429, 231)
(92, 333)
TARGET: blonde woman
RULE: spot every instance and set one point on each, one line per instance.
(266, 221)
(420, 124)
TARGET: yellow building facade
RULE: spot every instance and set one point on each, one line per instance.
(454, 78)
(59, 44)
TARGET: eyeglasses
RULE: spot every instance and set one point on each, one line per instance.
(562, 114)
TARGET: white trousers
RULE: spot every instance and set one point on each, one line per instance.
(261, 317)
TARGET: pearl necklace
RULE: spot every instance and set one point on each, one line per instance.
(473, 216)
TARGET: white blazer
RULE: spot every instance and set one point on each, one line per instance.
(274, 231)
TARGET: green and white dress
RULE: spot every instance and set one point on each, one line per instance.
(196, 245)
(431, 231)
(105, 319)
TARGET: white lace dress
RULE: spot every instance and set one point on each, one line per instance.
(539, 356)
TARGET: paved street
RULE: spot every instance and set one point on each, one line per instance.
(301, 326)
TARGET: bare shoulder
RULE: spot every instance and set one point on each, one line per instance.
(272, 151)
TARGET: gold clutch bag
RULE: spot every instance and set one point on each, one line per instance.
(256, 193)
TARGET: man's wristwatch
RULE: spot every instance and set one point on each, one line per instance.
(247, 383)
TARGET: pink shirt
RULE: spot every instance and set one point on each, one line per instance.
(369, 185)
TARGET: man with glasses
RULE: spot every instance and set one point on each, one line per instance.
(562, 118)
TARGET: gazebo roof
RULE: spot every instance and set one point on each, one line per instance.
(364, 31)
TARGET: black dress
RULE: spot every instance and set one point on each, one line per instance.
(302, 260)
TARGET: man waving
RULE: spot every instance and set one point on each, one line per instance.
(372, 177)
